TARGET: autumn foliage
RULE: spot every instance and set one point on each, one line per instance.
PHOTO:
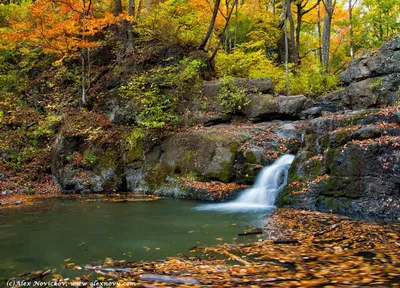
(61, 27)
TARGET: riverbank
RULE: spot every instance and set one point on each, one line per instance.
(298, 249)
(21, 200)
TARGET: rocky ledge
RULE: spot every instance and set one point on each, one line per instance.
(348, 164)
(371, 81)
(188, 163)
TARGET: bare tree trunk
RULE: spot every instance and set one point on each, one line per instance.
(301, 11)
(83, 67)
(83, 51)
(319, 34)
(326, 34)
(286, 47)
(228, 19)
(117, 7)
(298, 26)
(292, 37)
(211, 27)
(131, 8)
(236, 25)
(131, 12)
(351, 28)
(273, 7)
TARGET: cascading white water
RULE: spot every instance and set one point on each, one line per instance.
(269, 183)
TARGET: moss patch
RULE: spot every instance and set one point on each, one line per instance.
(135, 140)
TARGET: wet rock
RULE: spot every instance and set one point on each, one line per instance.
(219, 153)
(349, 164)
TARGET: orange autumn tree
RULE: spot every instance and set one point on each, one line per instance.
(66, 28)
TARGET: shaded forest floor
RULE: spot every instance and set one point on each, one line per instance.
(299, 249)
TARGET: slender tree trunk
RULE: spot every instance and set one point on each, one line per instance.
(236, 25)
(298, 28)
(351, 29)
(284, 12)
(273, 7)
(131, 13)
(211, 27)
(228, 19)
(117, 7)
(228, 30)
(319, 34)
(326, 34)
(83, 67)
(292, 37)
(83, 52)
(131, 8)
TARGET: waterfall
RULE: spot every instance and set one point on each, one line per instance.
(271, 180)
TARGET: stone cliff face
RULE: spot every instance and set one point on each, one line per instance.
(371, 81)
(223, 153)
(349, 164)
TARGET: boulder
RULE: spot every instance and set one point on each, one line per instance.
(86, 155)
(210, 89)
(383, 62)
(119, 110)
(267, 107)
(371, 81)
(311, 113)
(103, 174)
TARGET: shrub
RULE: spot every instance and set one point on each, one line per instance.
(231, 97)
(157, 91)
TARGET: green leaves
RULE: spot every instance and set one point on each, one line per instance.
(157, 91)
(231, 97)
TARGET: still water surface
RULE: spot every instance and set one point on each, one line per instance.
(32, 238)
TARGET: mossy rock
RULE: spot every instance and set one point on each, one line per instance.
(135, 142)
(250, 157)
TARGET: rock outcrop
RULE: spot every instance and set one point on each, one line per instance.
(223, 153)
(86, 155)
(263, 104)
(172, 164)
(371, 81)
(349, 164)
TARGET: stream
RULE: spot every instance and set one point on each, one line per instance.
(44, 235)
